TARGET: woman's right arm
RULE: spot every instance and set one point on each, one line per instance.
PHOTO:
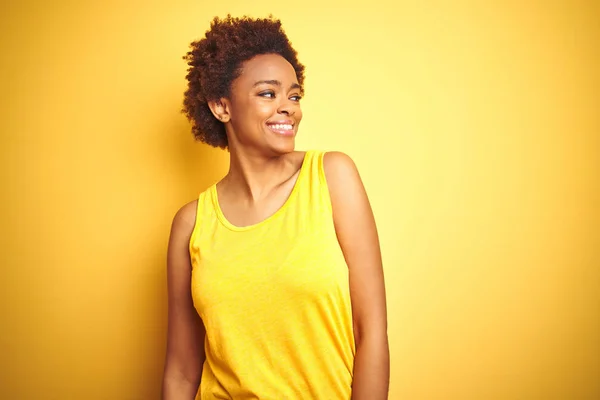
(185, 334)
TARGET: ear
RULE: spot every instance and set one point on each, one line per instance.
(220, 109)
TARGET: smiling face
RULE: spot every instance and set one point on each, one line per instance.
(263, 111)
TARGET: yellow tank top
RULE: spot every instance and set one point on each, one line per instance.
(274, 298)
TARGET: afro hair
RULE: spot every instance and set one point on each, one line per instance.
(216, 60)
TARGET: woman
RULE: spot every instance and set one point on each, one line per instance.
(287, 296)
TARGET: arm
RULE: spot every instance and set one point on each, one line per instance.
(185, 336)
(357, 235)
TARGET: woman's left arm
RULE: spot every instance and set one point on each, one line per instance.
(357, 235)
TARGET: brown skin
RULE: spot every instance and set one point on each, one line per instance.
(357, 235)
(185, 334)
(263, 171)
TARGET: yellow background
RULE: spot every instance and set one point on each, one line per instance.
(475, 126)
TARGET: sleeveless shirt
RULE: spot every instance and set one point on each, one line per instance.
(274, 298)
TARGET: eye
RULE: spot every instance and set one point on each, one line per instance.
(268, 94)
(296, 97)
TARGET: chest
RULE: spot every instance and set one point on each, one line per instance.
(260, 269)
(240, 212)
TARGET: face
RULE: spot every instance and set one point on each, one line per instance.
(263, 111)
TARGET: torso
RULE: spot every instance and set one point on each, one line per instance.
(273, 295)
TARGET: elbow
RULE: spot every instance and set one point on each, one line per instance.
(178, 383)
(373, 334)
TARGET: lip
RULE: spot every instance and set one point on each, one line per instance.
(283, 132)
(281, 122)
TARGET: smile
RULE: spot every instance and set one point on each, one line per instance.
(282, 129)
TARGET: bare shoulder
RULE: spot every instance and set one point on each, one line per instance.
(181, 231)
(185, 218)
(340, 171)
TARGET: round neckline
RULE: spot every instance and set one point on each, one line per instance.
(223, 219)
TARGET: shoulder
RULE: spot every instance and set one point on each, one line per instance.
(337, 159)
(340, 169)
(178, 260)
(346, 189)
(185, 219)
(352, 212)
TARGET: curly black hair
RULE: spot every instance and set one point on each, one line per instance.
(215, 62)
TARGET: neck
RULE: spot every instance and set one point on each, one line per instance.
(253, 175)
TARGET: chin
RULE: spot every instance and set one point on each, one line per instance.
(281, 147)
(286, 149)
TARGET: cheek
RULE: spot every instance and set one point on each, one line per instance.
(258, 111)
(251, 112)
(265, 110)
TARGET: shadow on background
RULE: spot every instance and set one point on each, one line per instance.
(196, 167)
(96, 159)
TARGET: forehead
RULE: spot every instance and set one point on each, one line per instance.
(267, 67)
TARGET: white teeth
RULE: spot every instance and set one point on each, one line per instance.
(282, 126)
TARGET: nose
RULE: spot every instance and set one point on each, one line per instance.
(287, 107)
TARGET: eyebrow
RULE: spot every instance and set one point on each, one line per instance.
(276, 83)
